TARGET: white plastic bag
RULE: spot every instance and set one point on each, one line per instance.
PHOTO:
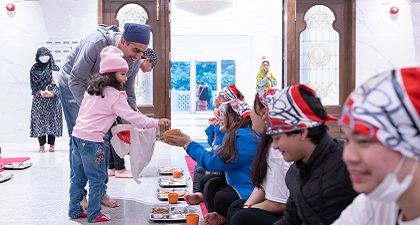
(141, 147)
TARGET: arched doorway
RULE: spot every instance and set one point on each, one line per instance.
(319, 50)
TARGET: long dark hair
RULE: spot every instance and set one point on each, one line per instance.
(100, 81)
(228, 151)
(259, 165)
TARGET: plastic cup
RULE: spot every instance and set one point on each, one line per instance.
(192, 219)
(172, 197)
(176, 174)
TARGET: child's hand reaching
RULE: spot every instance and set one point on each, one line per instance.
(213, 121)
(164, 122)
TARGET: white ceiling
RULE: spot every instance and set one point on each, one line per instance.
(245, 17)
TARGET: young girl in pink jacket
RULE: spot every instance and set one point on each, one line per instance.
(103, 101)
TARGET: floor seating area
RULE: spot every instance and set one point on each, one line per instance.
(39, 194)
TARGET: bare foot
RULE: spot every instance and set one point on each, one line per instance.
(194, 198)
(41, 149)
(109, 202)
(124, 174)
(84, 203)
(214, 218)
(51, 148)
(111, 172)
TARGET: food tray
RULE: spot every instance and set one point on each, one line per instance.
(162, 193)
(17, 166)
(4, 178)
(167, 170)
(172, 182)
(173, 213)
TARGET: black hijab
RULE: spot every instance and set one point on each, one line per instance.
(41, 73)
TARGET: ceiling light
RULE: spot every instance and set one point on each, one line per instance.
(203, 7)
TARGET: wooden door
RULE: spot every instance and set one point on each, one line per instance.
(156, 14)
(320, 44)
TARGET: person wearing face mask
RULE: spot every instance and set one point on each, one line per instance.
(46, 115)
(82, 63)
(381, 124)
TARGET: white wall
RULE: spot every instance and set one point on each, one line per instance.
(383, 42)
(244, 32)
(21, 33)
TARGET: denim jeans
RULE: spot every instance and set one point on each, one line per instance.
(88, 164)
(70, 108)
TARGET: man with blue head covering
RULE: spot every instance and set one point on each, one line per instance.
(83, 61)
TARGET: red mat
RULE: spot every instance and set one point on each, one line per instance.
(12, 160)
(191, 165)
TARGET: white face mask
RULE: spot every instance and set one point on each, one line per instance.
(44, 59)
(390, 189)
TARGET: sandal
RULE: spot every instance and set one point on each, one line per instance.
(41, 149)
(103, 218)
(81, 215)
(51, 148)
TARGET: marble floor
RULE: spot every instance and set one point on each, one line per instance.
(39, 194)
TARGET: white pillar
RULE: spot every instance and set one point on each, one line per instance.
(219, 76)
(193, 83)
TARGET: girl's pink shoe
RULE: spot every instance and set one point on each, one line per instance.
(103, 218)
(81, 215)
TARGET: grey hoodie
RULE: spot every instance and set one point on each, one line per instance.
(82, 62)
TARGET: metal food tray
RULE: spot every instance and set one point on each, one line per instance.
(4, 178)
(17, 166)
(172, 182)
(164, 171)
(163, 197)
(176, 213)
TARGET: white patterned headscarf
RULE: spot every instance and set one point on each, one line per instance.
(287, 111)
(240, 107)
(387, 107)
(228, 93)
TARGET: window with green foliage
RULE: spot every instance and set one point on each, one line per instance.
(180, 76)
(228, 72)
(206, 72)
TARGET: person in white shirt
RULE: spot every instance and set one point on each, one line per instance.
(267, 201)
(381, 124)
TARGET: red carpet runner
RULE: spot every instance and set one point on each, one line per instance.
(12, 160)
(191, 165)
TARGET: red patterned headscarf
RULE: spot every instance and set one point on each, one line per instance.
(228, 93)
(287, 111)
(387, 107)
(240, 107)
(264, 95)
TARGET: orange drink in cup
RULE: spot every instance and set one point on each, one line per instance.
(192, 219)
(173, 197)
(176, 174)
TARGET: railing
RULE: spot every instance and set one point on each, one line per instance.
(180, 101)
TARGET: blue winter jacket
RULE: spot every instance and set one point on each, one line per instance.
(214, 134)
(238, 172)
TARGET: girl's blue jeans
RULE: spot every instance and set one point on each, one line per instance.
(88, 164)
